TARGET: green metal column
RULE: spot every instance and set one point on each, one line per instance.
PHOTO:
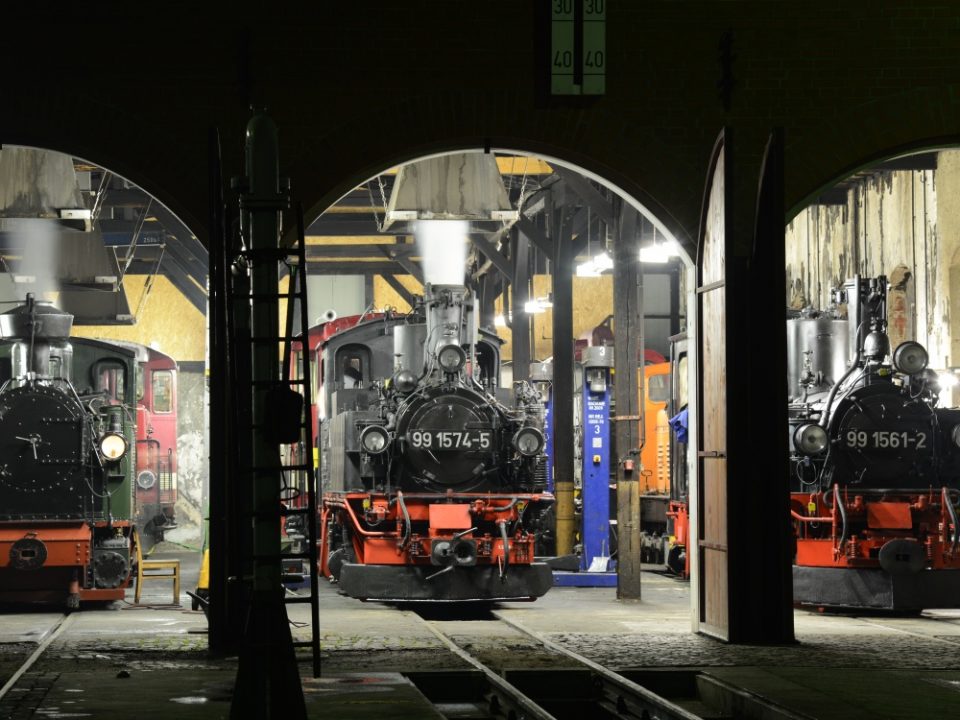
(268, 679)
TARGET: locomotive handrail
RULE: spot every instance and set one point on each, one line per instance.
(356, 520)
(810, 518)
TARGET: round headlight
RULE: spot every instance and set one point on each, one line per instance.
(451, 358)
(528, 441)
(146, 479)
(113, 446)
(910, 357)
(374, 439)
(810, 439)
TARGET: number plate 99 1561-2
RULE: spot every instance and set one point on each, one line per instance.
(452, 439)
(886, 439)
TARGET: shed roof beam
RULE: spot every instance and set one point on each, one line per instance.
(589, 194)
(394, 282)
(535, 235)
(494, 255)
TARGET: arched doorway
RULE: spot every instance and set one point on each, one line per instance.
(529, 176)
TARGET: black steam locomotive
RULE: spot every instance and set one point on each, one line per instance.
(433, 476)
(66, 438)
(876, 463)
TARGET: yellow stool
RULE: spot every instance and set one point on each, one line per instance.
(144, 565)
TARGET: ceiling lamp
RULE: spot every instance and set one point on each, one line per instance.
(461, 186)
(660, 251)
(537, 306)
(595, 266)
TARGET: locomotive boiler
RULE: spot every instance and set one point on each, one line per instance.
(875, 462)
(434, 477)
(66, 496)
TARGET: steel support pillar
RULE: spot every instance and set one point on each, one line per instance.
(224, 618)
(628, 421)
(268, 679)
(563, 348)
(519, 295)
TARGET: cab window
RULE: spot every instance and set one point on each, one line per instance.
(111, 380)
(353, 362)
(162, 387)
(658, 388)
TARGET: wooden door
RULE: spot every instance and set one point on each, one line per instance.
(714, 244)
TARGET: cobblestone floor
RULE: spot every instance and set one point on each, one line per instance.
(155, 660)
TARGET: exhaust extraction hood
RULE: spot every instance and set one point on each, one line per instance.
(463, 186)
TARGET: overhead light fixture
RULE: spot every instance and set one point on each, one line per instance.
(537, 306)
(460, 186)
(659, 252)
(595, 266)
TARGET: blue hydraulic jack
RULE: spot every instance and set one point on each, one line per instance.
(596, 565)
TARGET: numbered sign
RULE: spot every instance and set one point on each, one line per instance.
(578, 47)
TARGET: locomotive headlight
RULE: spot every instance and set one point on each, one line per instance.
(113, 446)
(528, 441)
(451, 358)
(146, 479)
(910, 357)
(810, 439)
(374, 439)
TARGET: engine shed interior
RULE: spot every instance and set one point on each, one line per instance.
(501, 363)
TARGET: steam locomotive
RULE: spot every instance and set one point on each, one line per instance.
(875, 462)
(433, 476)
(66, 461)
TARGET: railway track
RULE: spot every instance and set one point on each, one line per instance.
(59, 626)
(568, 685)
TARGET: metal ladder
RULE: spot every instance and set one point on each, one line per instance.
(302, 466)
(301, 463)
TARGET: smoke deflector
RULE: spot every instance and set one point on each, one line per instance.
(463, 186)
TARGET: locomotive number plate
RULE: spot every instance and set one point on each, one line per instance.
(886, 439)
(452, 439)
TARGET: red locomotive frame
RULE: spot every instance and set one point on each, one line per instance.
(156, 471)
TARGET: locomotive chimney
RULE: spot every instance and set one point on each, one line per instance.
(37, 325)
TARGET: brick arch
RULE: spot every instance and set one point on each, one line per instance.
(833, 149)
(114, 137)
(609, 145)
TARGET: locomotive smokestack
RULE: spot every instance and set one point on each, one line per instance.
(37, 326)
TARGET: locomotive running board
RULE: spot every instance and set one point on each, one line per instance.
(403, 583)
(875, 589)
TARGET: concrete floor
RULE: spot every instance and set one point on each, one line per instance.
(150, 661)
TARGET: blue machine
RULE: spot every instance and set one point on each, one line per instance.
(596, 567)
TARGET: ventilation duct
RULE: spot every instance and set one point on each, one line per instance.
(464, 186)
(48, 240)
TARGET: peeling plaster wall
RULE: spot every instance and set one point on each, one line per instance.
(191, 457)
(892, 223)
